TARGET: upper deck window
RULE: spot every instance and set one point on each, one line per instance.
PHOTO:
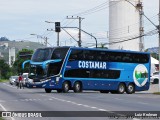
(42, 54)
(109, 56)
(59, 53)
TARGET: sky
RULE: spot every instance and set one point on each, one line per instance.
(21, 18)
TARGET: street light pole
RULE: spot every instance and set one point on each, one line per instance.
(44, 38)
(79, 34)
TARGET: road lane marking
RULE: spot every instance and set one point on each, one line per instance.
(118, 99)
(129, 102)
(3, 107)
(136, 119)
(5, 110)
(103, 110)
(79, 104)
(85, 105)
(91, 107)
(143, 103)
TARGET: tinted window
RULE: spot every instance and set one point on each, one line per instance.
(83, 55)
(36, 72)
(85, 73)
(76, 55)
(93, 55)
(59, 53)
(127, 57)
(42, 54)
(54, 68)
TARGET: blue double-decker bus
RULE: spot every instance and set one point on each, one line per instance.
(77, 69)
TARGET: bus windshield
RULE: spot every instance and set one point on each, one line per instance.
(42, 54)
(37, 71)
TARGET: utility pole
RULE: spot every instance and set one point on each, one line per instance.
(79, 35)
(139, 6)
(45, 41)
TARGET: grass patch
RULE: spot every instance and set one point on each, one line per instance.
(1, 118)
(3, 80)
(156, 93)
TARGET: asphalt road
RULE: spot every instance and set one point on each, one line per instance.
(13, 99)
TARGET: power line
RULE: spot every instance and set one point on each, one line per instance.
(146, 34)
(92, 9)
(149, 33)
(98, 8)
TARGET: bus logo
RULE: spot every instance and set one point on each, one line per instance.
(140, 75)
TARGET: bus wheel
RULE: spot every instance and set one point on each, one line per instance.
(59, 91)
(121, 88)
(48, 90)
(104, 91)
(130, 89)
(65, 87)
(77, 87)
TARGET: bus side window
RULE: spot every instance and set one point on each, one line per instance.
(126, 59)
(144, 58)
(99, 58)
(118, 59)
(89, 55)
(73, 57)
(76, 55)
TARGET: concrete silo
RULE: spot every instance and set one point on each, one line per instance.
(125, 23)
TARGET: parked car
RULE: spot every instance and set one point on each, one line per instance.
(12, 80)
(154, 79)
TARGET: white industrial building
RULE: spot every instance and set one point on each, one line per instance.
(12, 56)
(124, 24)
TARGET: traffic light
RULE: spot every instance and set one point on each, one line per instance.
(57, 27)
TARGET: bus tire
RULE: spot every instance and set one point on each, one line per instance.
(77, 87)
(130, 89)
(65, 87)
(59, 91)
(121, 88)
(48, 90)
(104, 91)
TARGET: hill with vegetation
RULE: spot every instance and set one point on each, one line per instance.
(18, 45)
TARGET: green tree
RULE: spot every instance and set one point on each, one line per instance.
(5, 70)
(24, 54)
(102, 46)
(153, 54)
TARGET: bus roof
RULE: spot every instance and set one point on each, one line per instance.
(97, 49)
(110, 50)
